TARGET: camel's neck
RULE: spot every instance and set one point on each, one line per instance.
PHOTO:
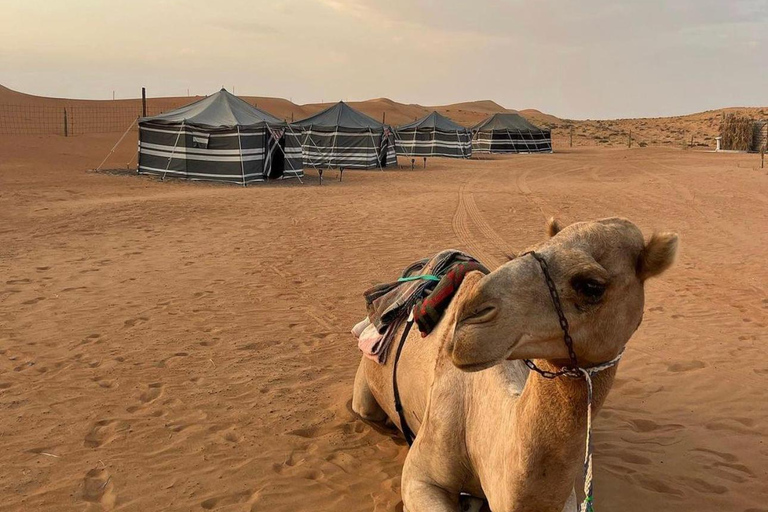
(545, 430)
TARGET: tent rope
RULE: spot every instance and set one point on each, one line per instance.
(117, 144)
(170, 158)
(240, 147)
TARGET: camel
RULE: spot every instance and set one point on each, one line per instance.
(485, 424)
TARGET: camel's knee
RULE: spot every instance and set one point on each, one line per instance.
(421, 494)
(363, 402)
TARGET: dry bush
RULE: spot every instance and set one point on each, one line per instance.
(736, 132)
(759, 136)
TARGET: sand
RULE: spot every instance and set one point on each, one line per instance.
(182, 346)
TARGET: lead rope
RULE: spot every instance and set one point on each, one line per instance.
(586, 505)
(573, 371)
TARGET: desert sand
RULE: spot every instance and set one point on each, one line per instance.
(185, 346)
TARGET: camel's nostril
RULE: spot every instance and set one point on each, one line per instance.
(480, 315)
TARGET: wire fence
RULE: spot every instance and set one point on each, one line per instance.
(79, 119)
(68, 121)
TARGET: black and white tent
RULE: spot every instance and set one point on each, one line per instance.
(510, 133)
(343, 137)
(219, 138)
(433, 135)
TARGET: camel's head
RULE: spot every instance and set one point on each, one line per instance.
(598, 268)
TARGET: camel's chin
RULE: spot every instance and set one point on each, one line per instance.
(468, 355)
(475, 367)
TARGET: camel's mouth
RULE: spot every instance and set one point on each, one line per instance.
(474, 367)
(469, 356)
(484, 314)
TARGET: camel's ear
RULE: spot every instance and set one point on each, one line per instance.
(657, 256)
(553, 227)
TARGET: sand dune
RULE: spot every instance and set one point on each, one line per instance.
(701, 127)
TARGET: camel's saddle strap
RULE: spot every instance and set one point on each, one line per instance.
(407, 432)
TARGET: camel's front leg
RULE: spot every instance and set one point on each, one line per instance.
(420, 491)
(421, 496)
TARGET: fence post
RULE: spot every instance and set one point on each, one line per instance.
(762, 157)
(571, 134)
(383, 118)
(66, 128)
(143, 102)
(629, 139)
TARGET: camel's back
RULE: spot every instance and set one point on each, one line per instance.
(416, 366)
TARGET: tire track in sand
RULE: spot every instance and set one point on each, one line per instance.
(461, 226)
(490, 248)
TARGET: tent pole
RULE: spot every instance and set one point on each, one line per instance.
(118, 143)
(333, 148)
(378, 156)
(524, 140)
(170, 158)
(240, 147)
(307, 136)
(319, 164)
(270, 151)
(461, 147)
(288, 159)
(432, 146)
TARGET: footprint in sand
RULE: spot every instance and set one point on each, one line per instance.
(656, 485)
(98, 487)
(104, 432)
(105, 382)
(702, 486)
(229, 499)
(33, 301)
(152, 393)
(686, 366)
(18, 281)
(90, 339)
(131, 322)
(642, 425)
(231, 436)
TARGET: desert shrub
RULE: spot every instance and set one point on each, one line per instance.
(736, 132)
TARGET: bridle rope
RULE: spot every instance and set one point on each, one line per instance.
(573, 371)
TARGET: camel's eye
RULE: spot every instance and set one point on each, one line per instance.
(589, 288)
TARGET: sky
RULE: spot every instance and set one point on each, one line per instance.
(575, 59)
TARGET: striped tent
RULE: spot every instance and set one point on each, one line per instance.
(219, 138)
(343, 137)
(510, 133)
(433, 135)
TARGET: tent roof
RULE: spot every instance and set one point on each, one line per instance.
(340, 115)
(433, 120)
(506, 122)
(219, 110)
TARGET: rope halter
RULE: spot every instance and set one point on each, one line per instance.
(573, 370)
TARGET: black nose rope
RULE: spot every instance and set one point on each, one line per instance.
(574, 371)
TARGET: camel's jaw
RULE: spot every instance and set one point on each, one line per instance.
(471, 351)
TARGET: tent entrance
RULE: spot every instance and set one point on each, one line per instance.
(276, 157)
